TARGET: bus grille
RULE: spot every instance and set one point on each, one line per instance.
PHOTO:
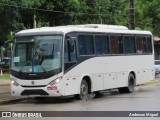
(33, 86)
(34, 92)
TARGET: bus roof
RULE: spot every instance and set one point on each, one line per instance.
(98, 28)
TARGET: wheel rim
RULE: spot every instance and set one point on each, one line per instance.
(84, 91)
(131, 84)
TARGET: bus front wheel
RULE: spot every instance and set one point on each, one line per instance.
(84, 91)
(131, 85)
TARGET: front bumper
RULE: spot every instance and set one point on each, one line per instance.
(36, 91)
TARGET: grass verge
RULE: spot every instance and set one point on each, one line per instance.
(5, 76)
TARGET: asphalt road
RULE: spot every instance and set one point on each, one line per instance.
(145, 98)
(5, 88)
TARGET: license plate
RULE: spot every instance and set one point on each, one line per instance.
(52, 88)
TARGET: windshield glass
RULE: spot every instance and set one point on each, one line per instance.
(33, 54)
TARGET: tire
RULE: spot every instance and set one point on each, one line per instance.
(131, 85)
(84, 91)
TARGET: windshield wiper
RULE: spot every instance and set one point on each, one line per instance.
(35, 55)
(43, 69)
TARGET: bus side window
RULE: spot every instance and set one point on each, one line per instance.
(149, 45)
(116, 44)
(141, 44)
(129, 44)
(102, 44)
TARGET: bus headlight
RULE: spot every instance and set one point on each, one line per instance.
(54, 82)
(14, 83)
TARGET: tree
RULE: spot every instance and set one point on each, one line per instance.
(148, 15)
(19, 14)
(14, 15)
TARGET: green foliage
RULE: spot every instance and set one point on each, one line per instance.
(10, 36)
(18, 14)
(12, 16)
(5, 76)
(148, 15)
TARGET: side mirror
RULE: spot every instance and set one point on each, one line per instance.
(7, 42)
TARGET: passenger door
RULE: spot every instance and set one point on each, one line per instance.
(70, 53)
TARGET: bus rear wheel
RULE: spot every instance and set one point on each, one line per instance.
(131, 85)
(84, 91)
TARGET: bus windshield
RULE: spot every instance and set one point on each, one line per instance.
(35, 54)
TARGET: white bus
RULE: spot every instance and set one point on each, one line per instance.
(79, 60)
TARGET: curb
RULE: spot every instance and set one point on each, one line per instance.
(151, 82)
(9, 101)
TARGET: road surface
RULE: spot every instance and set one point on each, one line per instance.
(145, 98)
